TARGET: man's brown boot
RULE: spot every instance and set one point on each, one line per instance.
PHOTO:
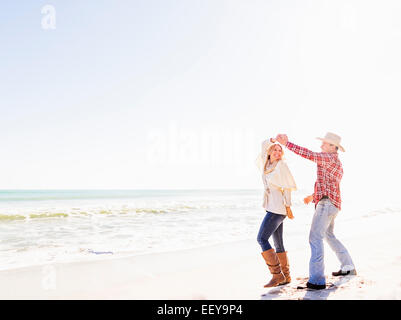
(273, 263)
(285, 266)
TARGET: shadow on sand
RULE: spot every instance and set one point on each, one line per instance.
(290, 291)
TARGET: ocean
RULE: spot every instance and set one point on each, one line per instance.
(49, 226)
(40, 227)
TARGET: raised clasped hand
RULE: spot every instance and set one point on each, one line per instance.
(282, 139)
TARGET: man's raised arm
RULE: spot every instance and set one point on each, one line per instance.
(318, 157)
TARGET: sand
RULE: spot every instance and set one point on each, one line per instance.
(226, 271)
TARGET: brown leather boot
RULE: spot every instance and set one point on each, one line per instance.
(285, 266)
(273, 263)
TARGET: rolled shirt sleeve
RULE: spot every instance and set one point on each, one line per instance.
(287, 197)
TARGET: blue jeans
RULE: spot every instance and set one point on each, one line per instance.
(272, 225)
(322, 228)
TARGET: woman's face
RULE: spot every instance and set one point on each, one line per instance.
(276, 153)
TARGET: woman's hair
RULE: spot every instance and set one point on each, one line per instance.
(270, 151)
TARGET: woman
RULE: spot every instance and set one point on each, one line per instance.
(278, 184)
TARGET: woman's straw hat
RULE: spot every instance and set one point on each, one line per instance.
(334, 139)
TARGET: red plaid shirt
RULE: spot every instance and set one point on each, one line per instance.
(329, 173)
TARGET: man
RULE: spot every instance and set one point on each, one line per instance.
(327, 201)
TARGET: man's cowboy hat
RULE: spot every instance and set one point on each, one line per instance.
(333, 139)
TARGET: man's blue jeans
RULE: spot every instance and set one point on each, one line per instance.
(322, 228)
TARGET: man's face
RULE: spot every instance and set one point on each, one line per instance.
(327, 147)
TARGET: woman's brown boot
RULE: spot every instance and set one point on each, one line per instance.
(273, 263)
(285, 266)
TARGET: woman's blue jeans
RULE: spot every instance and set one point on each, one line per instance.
(272, 225)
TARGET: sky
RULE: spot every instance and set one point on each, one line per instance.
(179, 94)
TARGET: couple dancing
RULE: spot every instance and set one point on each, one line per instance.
(278, 184)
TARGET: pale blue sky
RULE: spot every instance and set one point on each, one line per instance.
(110, 97)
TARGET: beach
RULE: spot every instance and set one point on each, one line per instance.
(233, 270)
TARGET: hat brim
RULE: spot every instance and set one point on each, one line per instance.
(333, 143)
